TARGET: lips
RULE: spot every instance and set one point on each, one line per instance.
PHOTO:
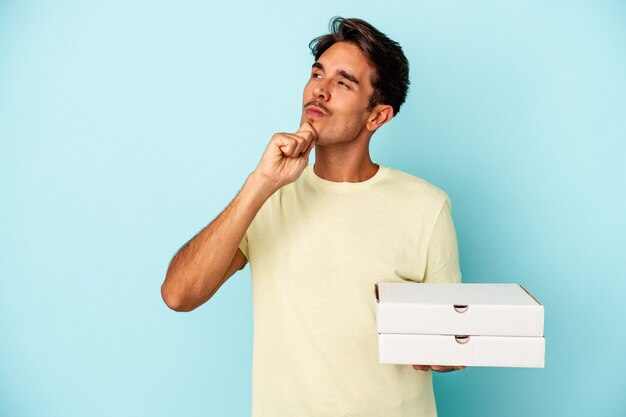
(314, 111)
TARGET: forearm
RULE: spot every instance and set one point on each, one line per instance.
(199, 266)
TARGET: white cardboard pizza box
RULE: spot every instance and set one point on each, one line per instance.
(503, 351)
(459, 324)
(457, 309)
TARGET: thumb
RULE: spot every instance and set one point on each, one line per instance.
(306, 126)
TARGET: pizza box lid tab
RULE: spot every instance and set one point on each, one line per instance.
(457, 309)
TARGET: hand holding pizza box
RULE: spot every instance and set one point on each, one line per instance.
(459, 324)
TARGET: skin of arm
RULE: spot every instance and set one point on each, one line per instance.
(198, 270)
(206, 261)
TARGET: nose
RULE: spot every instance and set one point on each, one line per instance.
(320, 91)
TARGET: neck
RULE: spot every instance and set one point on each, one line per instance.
(344, 162)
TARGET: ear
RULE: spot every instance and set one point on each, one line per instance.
(380, 114)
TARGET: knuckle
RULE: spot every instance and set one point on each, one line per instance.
(278, 135)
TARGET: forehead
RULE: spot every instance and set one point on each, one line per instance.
(348, 57)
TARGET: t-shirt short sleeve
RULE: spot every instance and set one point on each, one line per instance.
(442, 264)
(243, 246)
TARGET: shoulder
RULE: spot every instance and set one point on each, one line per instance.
(415, 188)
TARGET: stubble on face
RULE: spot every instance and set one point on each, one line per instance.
(336, 97)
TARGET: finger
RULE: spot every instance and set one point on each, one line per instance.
(311, 146)
(288, 146)
(302, 144)
(447, 368)
(305, 136)
(308, 127)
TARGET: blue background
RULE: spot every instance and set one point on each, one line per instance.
(125, 128)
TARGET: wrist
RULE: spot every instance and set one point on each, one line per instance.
(261, 186)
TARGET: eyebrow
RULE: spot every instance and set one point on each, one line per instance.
(341, 72)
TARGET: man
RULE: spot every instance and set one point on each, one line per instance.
(318, 237)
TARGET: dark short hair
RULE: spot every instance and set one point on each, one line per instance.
(391, 78)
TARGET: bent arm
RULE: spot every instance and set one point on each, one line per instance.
(207, 260)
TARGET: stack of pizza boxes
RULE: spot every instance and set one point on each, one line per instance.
(459, 325)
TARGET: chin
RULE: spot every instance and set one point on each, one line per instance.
(314, 121)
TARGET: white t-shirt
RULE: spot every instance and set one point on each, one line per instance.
(316, 248)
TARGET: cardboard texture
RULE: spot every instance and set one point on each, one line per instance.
(459, 324)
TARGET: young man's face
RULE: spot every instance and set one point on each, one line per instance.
(336, 97)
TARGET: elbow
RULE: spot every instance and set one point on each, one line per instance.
(172, 300)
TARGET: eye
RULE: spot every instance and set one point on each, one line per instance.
(316, 75)
(343, 84)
